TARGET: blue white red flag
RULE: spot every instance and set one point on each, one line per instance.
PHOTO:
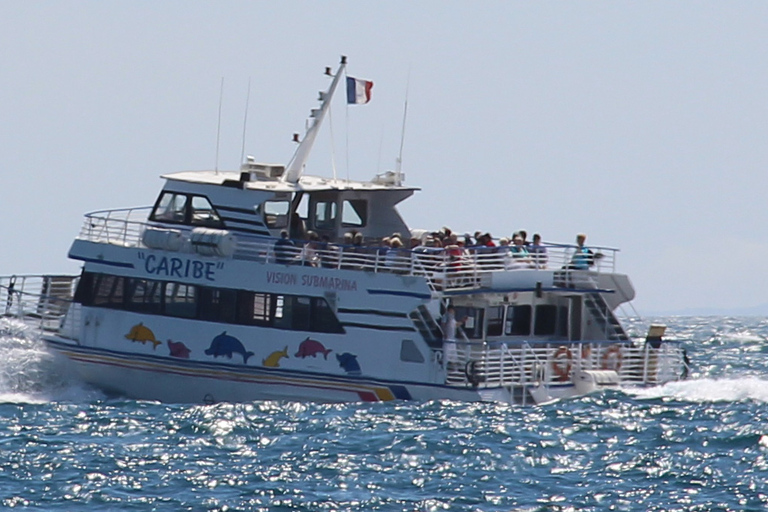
(358, 91)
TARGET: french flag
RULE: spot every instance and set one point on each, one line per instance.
(358, 91)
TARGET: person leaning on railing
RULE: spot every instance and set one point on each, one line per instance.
(285, 249)
(538, 252)
(583, 257)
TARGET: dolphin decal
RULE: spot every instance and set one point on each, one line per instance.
(273, 359)
(178, 349)
(226, 345)
(310, 347)
(142, 334)
(349, 363)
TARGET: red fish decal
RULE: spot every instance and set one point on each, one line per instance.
(310, 347)
(178, 349)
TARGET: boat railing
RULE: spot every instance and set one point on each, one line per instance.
(445, 268)
(41, 301)
(488, 365)
(124, 226)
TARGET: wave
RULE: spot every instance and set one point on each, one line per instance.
(29, 373)
(708, 390)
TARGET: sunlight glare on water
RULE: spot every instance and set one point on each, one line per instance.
(693, 445)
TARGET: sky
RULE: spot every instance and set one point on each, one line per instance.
(641, 124)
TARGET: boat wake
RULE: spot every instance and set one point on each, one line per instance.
(31, 374)
(708, 390)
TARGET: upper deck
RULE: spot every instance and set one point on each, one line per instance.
(447, 271)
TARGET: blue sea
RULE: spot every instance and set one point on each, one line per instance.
(701, 444)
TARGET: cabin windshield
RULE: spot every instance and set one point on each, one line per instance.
(178, 208)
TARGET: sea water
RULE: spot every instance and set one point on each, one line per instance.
(701, 444)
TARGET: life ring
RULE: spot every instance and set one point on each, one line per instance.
(611, 358)
(562, 369)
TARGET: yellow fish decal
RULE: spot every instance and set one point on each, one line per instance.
(142, 334)
(273, 359)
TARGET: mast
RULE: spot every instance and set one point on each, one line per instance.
(296, 166)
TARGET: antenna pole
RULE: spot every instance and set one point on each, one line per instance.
(218, 128)
(399, 166)
(245, 120)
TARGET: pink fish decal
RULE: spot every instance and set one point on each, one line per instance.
(178, 349)
(310, 347)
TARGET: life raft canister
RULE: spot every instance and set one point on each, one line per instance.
(611, 358)
(561, 363)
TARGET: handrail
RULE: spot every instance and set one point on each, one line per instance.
(501, 364)
(42, 301)
(465, 268)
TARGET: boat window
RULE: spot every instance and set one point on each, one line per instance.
(518, 321)
(354, 213)
(217, 304)
(325, 215)
(562, 321)
(410, 353)
(546, 320)
(204, 214)
(323, 319)
(495, 318)
(84, 290)
(171, 207)
(108, 291)
(143, 295)
(473, 326)
(180, 300)
(299, 313)
(222, 305)
(276, 214)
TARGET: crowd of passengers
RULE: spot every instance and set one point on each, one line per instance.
(442, 249)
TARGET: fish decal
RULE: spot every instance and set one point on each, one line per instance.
(310, 347)
(349, 363)
(273, 359)
(142, 334)
(226, 345)
(178, 349)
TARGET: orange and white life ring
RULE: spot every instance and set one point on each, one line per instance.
(611, 358)
(561, 363)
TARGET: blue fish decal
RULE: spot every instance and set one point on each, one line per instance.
(349, 363)
(226, 345)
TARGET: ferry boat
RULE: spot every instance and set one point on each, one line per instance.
(241, 285)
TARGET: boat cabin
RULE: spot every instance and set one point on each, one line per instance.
(257, 202)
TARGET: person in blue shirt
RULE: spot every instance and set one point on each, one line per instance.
(285, 249)
(583, 258)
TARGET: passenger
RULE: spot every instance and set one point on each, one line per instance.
(397, 258)
(329, 253)
(450, 327)
(309, 255)
(347, 251)
(583, 257)
(524, 235)
(538, 252)
(504, 254)
(285, 249)
(431, 255)
(520, 256)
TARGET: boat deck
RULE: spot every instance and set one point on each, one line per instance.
(474, 269)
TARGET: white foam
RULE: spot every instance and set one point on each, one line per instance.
(29, 373)
(709, 390)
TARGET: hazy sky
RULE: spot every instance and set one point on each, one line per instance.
(642, 124)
